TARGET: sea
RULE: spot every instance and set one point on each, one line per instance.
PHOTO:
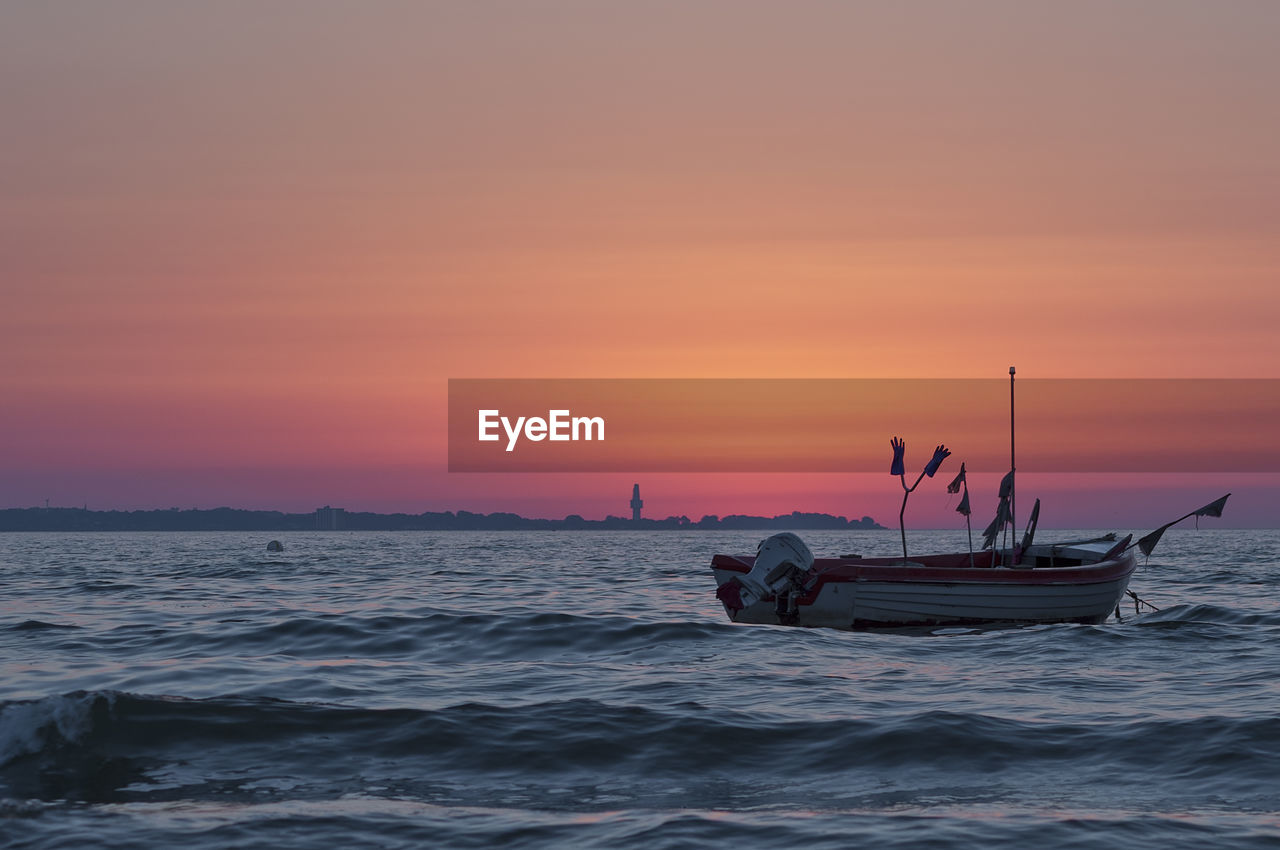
(585, 689)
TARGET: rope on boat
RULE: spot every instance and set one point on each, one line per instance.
(1139, 601)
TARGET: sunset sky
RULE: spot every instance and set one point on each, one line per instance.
(244, 245)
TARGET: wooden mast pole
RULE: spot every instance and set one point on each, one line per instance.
(1013, 469)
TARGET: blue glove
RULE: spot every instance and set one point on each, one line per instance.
(899, 447)
(939, 455)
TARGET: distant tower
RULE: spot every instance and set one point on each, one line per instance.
(636, 504)
(330, 519)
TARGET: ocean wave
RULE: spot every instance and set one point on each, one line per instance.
(391, 824)
(32, 726)
(483, 637)
(39, 626)
(582, 735)
(105, 587)
(1201, 614)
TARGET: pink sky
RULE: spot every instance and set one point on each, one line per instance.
(244, 247)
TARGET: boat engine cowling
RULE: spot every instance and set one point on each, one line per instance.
(780, 562)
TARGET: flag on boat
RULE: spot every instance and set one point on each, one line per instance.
(1148, 544)
(954, 487)
(1004, 512)
(1213, 508)
(1006, 485)
(997, 525)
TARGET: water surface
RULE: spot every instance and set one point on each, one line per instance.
(584, 689)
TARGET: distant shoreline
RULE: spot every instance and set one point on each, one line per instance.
(337, 519)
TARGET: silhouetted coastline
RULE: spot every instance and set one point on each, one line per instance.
(337, 519)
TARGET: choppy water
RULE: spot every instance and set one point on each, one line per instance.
(556, 689)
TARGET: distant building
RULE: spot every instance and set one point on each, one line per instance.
(330, 519)
(636, 503)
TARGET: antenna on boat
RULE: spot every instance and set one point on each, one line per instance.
(1013, 467)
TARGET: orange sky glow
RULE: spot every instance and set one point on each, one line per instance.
(244, 246)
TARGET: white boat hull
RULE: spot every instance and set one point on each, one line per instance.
(849, 594)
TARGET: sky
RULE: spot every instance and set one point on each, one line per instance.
(244, 245)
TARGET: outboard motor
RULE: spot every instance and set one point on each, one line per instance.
(781, 563)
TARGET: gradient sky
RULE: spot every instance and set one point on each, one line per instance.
(243, 245)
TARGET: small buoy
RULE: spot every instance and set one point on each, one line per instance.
(275, 546)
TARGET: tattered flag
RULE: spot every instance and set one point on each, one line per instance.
(993, 530)
(1148, 544)
(954, 486)
(1006, 485)
(963, 507)
(1213, 508)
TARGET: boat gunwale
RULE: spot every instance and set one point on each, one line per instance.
(845, 570)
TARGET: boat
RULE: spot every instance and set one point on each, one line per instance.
(1072, 581)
